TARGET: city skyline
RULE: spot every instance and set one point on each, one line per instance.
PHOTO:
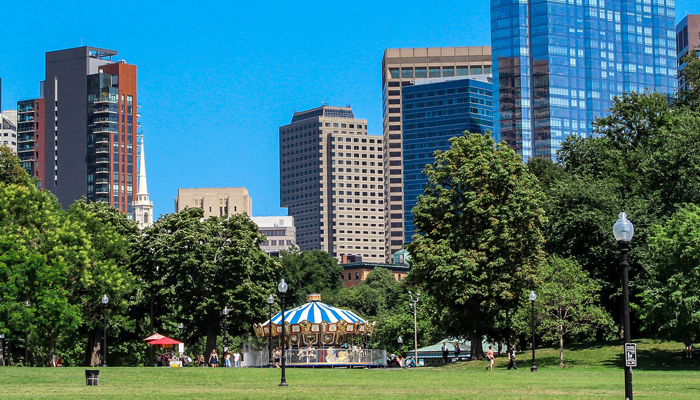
(215, 84)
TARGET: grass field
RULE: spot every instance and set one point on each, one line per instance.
(594, 372)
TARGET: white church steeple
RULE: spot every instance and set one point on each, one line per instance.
(142, 207)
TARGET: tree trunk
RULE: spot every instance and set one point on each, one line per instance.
(212, 334)
(561, 346)
(477, 350)
(92, 349)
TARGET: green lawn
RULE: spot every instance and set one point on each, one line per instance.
(593, 374)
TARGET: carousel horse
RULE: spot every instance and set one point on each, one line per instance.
(330, 357)
(342, 357)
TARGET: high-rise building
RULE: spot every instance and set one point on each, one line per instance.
(331, 181)
(143, 206)
(30, 137)
(84, 143)
(400, 67)
(435, 110)
(687, 37)
(215, 202)
(280, 231)
(8, 129)
(557, 65)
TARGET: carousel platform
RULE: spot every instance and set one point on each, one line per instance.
(336, 365)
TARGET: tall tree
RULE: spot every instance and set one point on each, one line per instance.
(198, 266)
(568, 302)
(11, 172)
(479, 236)
(307, 272)
(672, 296)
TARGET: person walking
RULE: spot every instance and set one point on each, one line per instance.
(227, 359)
(511, 357)
(688, 348)
(445, 351)
(457, 351)
(213, 358)
(237, 359)
(491, 357)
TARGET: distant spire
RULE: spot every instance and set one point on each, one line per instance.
(143, 187)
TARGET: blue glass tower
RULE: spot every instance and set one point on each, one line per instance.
(558, 63)
(433, 112)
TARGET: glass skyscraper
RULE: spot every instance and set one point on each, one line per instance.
(434, 110)
(558, 63)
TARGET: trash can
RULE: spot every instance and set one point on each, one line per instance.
(92, 377)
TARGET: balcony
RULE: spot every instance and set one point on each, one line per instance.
(104, 99)
(102, 181)
(104, 189)
(101, 150)
(106, 109)
(104, 129)
(102, 170)
(102, 139)
(25, 138)
(26, 128)
(27, 157)
(105, 120)
(25, 147)
(102, 160)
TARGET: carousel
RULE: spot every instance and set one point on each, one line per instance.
(319, 335)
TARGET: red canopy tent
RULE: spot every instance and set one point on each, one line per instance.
(153, 337)
(164, 341)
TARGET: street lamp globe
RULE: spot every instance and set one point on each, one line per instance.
(270, 300)
(282, 287)
(400, 340)
(225, 310)
(180, 325)
(105, 300)
(533, 296)
(623, 228)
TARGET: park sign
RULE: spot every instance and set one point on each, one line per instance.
(630, 355)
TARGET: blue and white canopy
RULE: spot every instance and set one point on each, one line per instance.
(315, 312)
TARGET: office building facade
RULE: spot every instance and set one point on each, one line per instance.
(558, 65)
(400, 67)
(8, 129)
(215, 202)
(687, 38)
(280, 231)
(435, 110)
(84, 143)
(331, 182)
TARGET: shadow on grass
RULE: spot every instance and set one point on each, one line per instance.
(657, 360)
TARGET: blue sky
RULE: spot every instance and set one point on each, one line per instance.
(217, 79)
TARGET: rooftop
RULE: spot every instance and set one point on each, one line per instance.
(324, 111)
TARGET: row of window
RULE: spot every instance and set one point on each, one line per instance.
(437, 72)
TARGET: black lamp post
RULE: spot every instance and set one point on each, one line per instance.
(282, 288)
(225, 330)
(270, 301)
(26, 341)
(105, 301)
(533, 297)
(623, 231)
(414, 305)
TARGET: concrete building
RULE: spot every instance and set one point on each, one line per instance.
(400, 68)
(8, 129)
(143, 206)
(331, 181)
(215, 202)
(355, 270)
(84, 143)
(557, 65)
(280, 231)
(435, 110)
(687, 38)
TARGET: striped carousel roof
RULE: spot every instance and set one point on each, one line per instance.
(315, 312)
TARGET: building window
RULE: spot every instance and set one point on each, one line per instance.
(448, 71)
(434, 72)
(421, 72)
(407, 72)
(394, 73)
(475, 70)
(462, 71)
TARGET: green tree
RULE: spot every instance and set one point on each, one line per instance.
(195, 267)
(568, 302)
(11, 172)
(307, 272)
(672, 298)
(479, 235)
(689, 88)
(377, 294)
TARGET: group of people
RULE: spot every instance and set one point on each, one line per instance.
(446, 351)
(511, 358)
(229, 359)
